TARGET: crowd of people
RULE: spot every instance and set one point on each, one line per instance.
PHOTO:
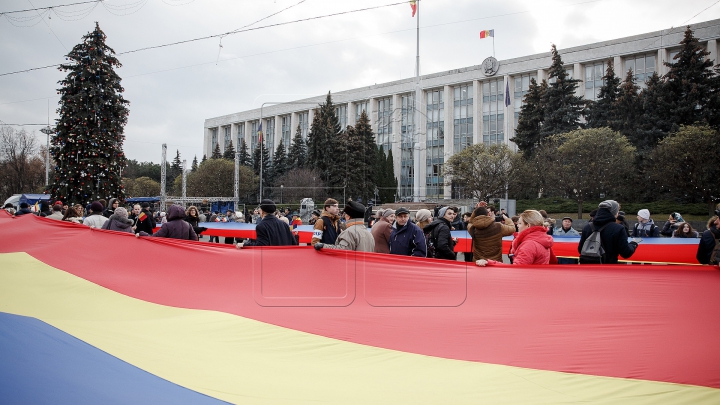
(603, 240)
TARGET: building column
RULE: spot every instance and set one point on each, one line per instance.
(293, 125)
(662, 57)
(351, 113)
(396, 138)
(372, 114)
(712, 48)
(449, 136)
(477, 112)
(207, 144)
(233, 136)
(311, 116)
(278, 132)
(578, 74)
(541, 75)
(617, 65)
(420, 185)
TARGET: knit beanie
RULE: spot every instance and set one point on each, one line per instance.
(96, 206)
(354, 209)
(442, 212)
(378, 214)
(644, 214)
(422, 215)
(610, 205)
(121, 212)
(388, 212)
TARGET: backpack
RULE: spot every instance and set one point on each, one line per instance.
(715, 255)
(430, 242)
(592, 250)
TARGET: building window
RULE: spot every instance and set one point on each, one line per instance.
(462, 117)
(643, 66)
(594, 73)
(493, 112)
(303, 122)
(435, 149)
(269, 132)
(214, 137)
(407, 152)
(384, 120)
(286, 132)
(227, 138)
(360, 106)
(341, 113)
(240, 135)
(522, 87)
(253, 136)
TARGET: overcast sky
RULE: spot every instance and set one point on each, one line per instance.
(172, 90)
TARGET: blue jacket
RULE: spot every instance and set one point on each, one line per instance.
(408, 240)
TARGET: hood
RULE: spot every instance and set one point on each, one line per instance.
(537, 234)
(481, 222)
(110, 203)
(121, 219)
(603, 217)
(175, 212)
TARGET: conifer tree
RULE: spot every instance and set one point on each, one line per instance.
(627, 108)
(323, 134)
(279, 162)
(315, 141)
(653, 121)
(175, 168)
(297, 155)
(203, 159)
(563, 108)
(527, 134)
(245, 158)
(370, 161)
(194, 166)
(602, 113)
(88, 144)
(229, 153)
(216, 154)
(688, 82)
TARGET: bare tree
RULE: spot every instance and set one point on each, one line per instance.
(482, 169)
(21, 166)
(301, 183)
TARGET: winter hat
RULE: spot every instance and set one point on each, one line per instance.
(379, 213)
(58, 202)
(678, 217)
(442, 212)
(388, 212)
(24, 205)
(162, 214)
(145, 205)
(644, 214)
(316, 213)
(268, 206)
(400, 211)
(422, 215)
(610, 205)
(329, 202)
(121, 212)
(355, 209)
(564, 218)
(96, 206)
(8, 205)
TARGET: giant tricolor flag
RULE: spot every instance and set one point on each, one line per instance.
(83, 321)
(487, 34)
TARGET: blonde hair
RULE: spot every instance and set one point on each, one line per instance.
(532, 218)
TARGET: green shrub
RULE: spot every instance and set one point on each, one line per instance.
(566, 205)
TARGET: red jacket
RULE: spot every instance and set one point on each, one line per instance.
(533, 246)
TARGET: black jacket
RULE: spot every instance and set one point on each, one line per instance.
(613, 238)
(439, 229)
(147, 225)
(272, 232)
(706, 246)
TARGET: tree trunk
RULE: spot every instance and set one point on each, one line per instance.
(580, 203)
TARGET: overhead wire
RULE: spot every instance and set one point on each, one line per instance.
(49, 7)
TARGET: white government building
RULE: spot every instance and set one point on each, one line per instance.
(452, 103)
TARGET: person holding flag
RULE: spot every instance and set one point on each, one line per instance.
(145, 221)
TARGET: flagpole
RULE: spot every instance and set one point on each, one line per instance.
(418, 95)
(493, 44)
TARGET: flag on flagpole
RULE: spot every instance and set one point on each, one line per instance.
(260, 134)
(413, 6)
(487, 34)
(507, 93)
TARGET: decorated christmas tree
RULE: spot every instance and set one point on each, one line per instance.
(87, 147)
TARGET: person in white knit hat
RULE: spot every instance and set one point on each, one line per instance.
(645, 227)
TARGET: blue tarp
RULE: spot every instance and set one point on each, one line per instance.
(142, 200)
(33, 198)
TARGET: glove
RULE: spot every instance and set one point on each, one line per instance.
(318, 246)
(633, 244)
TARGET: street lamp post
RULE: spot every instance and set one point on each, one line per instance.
(281, 193)
(47, 131)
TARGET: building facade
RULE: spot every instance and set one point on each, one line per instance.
(456, 108)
